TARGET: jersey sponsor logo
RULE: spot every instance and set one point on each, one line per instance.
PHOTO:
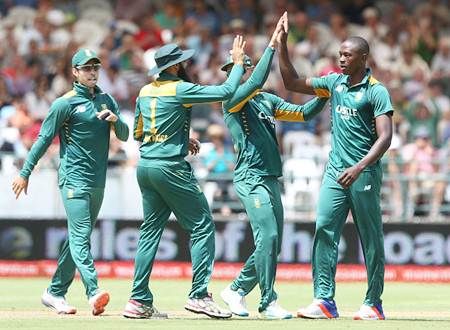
(270, 119)
(70, 193)
(156, 138)
(80, 109)
(367, 187)
(345, 112)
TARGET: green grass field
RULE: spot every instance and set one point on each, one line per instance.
(407, 306)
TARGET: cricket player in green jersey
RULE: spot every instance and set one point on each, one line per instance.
(361, 114)
(166, 179)
(250, 116)
(83, 119)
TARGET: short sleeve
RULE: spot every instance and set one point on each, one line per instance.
(381, 101)
(324, 85)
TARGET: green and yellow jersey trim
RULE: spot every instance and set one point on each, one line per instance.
(286, 115)
(139, 131)
(322, 92)
(70, 94)
(160, 88)
(239, 106)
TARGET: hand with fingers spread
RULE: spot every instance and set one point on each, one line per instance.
(237, 53)
(19, 184)
(349, 176)
(279, 28)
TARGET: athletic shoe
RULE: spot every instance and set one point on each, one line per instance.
(207, 306)
(235, 301)
(137, 310)
(319, 309)
(275, 312)
(370, 313)
(59, 304)
(98, 302)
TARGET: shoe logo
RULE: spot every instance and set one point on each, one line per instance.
(80, 109)
(367, 187)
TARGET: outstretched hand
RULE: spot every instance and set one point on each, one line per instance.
(19, 184)
(279, 28)
(237, 53)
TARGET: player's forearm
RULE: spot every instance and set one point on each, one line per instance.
(36, 152)
(262, 70)
(380, 146)
(291, 79)
(121, 129)
(313, 107)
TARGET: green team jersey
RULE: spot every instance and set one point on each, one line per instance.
(163, 113)
(250, 116)
(84, 139)
(353, 112)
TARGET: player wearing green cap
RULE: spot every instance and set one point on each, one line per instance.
(361, 115)
(250, 116)
(166, 180)
(83, 119)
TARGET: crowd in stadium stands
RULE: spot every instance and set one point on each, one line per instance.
(410, 54)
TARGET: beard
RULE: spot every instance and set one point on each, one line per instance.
(183, 74)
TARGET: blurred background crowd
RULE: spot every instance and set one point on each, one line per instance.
(410, 54)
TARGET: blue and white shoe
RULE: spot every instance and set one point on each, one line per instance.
(319, 309)
(370, 313)
(275, 312)
(235, 301)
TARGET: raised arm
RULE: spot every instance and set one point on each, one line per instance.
(285, 111)
(291, 79)
(189, 93)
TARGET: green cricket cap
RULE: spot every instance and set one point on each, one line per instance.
(247, 63)
(84, 55)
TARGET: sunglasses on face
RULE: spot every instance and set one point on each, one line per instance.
(89, 67)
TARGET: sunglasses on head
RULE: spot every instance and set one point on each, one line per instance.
(89, 67)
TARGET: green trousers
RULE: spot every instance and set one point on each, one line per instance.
(171, 187)
(82, 206)
(262, 202)
(335, 202)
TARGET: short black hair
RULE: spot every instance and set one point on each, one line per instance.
(361, 44)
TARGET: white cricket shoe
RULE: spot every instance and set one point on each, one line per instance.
(98, 302)
(235, 301)
(59, 304)
(137, 310)
(275, 312)
(370, 313)
(319, 309)
(207, 306)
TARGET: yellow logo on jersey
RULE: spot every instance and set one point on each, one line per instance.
(70, 193)
(358, 96)
(257, 203)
